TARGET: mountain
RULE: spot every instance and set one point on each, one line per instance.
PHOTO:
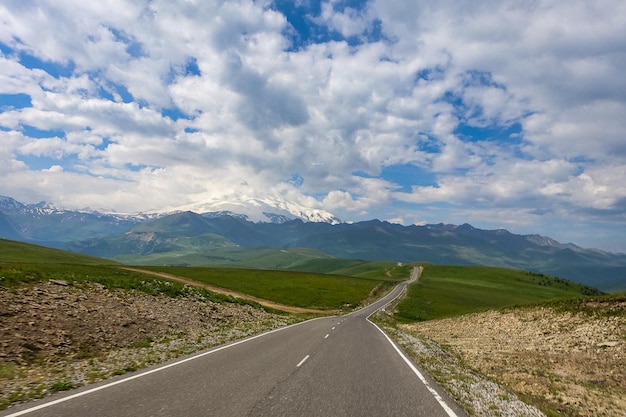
(7, 231)
(258, 210)
(193, 239)
(210, 236)
(48, 225)
(179, 232)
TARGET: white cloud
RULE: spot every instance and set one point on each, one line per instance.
(331, 112)
(348, 21)
(594, 130)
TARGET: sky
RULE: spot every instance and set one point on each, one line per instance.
(498, 114)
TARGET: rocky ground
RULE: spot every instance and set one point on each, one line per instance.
(568, 360)
(57, 335)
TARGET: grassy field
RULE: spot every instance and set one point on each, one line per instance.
(445, 291)
(226, 256)
(291, 259)
(23, 264)
(392, 270)
(11, 251)
(300, 289)
(442, 291)
(13, 274)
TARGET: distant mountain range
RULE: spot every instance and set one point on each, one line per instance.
(223, 233)
(48, 225)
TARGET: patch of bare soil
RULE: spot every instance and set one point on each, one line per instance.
(569, 362)
(56, 336)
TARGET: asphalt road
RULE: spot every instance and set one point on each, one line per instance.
(333, 366)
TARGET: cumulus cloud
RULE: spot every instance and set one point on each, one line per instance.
(513, 109)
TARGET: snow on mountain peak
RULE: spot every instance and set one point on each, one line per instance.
(260, 210)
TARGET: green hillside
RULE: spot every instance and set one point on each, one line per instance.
(444, 291)
(179, 224)
(299, 289)
(285, 259)
(392, 270)
(12, 251)
(219, 254)
(22, 263)
(309, 279)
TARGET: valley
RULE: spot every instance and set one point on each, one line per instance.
(276, 235)
(352, 208)
(68, 320)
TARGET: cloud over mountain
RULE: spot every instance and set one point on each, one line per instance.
(499, 114)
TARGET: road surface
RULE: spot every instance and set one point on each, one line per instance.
(332, 366)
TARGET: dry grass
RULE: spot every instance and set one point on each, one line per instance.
(568, 362)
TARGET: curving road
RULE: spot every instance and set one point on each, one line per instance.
(332, 366)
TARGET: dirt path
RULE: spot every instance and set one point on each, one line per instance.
(219, 290)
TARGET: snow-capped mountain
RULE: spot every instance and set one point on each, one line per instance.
(12, 207)
(264, 222)
(258, 210)
(47, 223)
(9, 205)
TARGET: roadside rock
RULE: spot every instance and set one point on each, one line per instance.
(58, 335)
(570, 362)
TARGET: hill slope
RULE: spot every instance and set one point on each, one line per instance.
(166, 240)
(566, 358)
(20, 252)
(212, 238)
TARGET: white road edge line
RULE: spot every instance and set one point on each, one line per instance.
(152, 371)
(435, 394)
(326, 337)
(416, 371)
(302, 361)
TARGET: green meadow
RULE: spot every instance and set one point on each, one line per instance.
(445, 291)
(12, 251)
(22, 263)
(310, 281)
(226, 255)
(294, 288)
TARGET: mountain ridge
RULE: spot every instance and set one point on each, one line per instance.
(10, 207)
(213, 237)
(372, 240)
(257, 210)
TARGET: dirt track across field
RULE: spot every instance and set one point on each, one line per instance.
(219, 290)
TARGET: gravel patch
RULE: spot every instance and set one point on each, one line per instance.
(567, 360)
(56, 336)
(478, 395)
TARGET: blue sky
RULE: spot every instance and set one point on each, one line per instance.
(503, 115)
